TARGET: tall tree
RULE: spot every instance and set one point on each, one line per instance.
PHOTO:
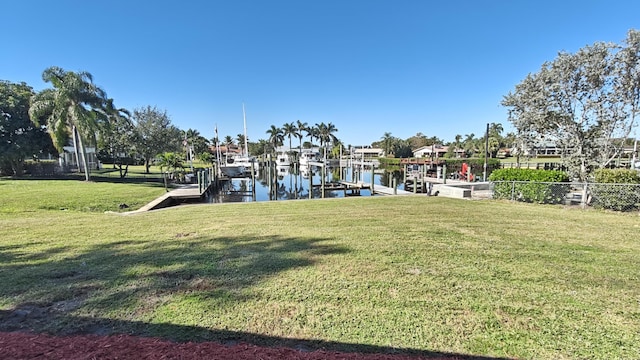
(228, 141)
(312, 132)
(300, 127)
(469, 144)
(289, 130)
(627, 85)
(117, 136)
(419, 140)
(275, 137)
(586, 102)
(70, 107)
(325, 133)
(387, 143)
(20, 139)
(196, 143)
(495, 140)
(155, 134)
(240, 140)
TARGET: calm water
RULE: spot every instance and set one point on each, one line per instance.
(289, 183)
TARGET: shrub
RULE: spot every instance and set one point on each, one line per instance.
(41, 167)
(530, 185)
(616, 189)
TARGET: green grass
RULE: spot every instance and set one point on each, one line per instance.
(26, 196)
(135, 172)
(427, 274)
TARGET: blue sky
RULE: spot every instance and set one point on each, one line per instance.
(405, 66)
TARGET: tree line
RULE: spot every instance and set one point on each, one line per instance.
(467, 146)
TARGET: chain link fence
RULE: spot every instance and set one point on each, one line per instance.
(618, 197)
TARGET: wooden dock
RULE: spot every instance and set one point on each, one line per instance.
(377, 189)
(184, 192)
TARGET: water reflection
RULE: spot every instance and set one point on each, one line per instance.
(293, 183)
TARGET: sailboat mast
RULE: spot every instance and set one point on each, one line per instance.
(244, 117)
(218, 154)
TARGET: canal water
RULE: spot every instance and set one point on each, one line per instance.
(293, 183)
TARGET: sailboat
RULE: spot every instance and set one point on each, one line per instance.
(241, 164)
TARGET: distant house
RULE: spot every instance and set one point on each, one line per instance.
(504, 152)
(367, 152)
(435, 151)
(68, 161)
(232, 149)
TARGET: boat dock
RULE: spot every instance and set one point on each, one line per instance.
(206, 180)
(356, 187)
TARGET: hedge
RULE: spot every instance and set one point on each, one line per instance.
(530, 185)
(621, 192)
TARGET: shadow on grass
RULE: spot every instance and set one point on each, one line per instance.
(151, 179)
(130, 278)
(180, 333)
(121, 274)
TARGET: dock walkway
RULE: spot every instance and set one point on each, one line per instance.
(184, 192)
(377, 189)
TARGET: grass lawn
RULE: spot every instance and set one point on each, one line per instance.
(24, 197)
(419, 273)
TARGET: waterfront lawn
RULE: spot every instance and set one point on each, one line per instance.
(25, 196)
(427, 274)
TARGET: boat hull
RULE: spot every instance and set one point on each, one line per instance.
(233, 170)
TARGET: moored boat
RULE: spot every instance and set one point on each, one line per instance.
(308, 155)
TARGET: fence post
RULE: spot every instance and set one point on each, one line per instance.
(583, 201)
(513, 190)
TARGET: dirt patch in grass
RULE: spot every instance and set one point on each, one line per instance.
(95, 340)
(19, 345)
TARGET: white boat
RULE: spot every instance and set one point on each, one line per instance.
(240, 164)
(283, 157)
(283, 170)
(307, 156)
(233, 170)
(307, 171)
(246, 161)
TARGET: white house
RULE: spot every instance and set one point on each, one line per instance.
(68, 161)
(432, 151)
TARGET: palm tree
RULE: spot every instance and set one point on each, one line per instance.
(469, 144)
(240, 139)
(325, 135)
(387, 142)
(172, 162)
(70, 107)
(300, 127)
(289, 130)
(276, 136)
(495, 129)
(228, 141)
(494, 138)
(312, 133)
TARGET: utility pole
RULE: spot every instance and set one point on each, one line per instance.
(486, 153)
